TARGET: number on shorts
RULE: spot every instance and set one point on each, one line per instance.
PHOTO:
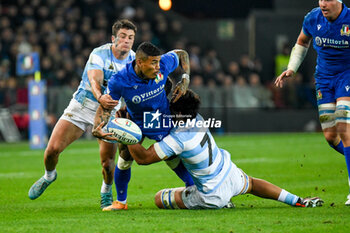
(206, 139)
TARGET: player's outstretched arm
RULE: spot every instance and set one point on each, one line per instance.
(182, 86)
(143, 156)
(296, 58)
(96, 81)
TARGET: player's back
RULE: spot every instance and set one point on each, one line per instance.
(207, 163)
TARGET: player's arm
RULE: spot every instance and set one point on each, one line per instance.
(101, 119)
(96, 80)
(182, 86)
(296, 57)
(143, 156)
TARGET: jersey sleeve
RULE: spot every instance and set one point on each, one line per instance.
(114, 88)
(307, 24)
(95, 62)
(169, 146)
(170, 60)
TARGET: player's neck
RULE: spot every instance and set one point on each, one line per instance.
(120, 55)
(332, 19)
(139, 73)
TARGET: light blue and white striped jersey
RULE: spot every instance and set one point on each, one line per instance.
(196, 147)
(101, 58)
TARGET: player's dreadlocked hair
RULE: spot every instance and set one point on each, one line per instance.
(146, 49)
(187, 105)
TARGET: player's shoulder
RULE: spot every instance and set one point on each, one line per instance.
(313, 14)
(103, 49)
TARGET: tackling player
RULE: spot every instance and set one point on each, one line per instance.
(142, 84)
(328, 26)
(103, 62)
(217, 179)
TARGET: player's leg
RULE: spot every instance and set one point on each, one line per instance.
(122, 175)
(170, 198)
(327, 119)
(343, 128)
(107, 156)
(63, 134)
(264, 189)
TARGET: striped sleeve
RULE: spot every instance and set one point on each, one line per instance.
(95, 62)
(168, 147)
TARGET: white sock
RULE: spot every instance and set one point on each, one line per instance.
(288, 198)
(123, 202)
(106, 188)
(50, 175)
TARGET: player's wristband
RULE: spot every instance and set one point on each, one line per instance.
(296, 57)
(98, 99)
(186, 76)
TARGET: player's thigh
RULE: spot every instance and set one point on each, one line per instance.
(107, 150)
(63, 134)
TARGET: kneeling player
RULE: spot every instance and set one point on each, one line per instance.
(216, 177)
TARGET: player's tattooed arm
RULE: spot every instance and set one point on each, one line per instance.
(184, 60)
(101, 119)
(182, 86)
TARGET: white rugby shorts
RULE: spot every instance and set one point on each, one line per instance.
(82, 116)
(235, 183)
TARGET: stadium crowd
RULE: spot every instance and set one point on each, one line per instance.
(65, 32)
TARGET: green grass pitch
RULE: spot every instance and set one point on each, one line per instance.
(301, 163)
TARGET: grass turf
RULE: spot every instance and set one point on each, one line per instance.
(300, 163)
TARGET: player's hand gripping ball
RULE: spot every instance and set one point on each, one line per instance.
(125, 130)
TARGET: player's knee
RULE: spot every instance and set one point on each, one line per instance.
(53, 150)
(331, 136)
(124, 152)
(107, 164)
(165, 199)
(327, 115)
(157, 200)
(124, 164)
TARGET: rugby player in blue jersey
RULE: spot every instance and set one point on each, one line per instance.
(328, 26)
(103, 62)
(217, 179)
(142, 85)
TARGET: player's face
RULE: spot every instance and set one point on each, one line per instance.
(150, 67)
(330, 9)
(124, 39)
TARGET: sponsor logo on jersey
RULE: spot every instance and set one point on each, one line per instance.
(147, 95)
(344, 31)
(328, 42)
(159, 77)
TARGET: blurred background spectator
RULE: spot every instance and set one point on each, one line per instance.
(64, 32)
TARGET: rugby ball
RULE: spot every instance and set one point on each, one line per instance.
(127, 131)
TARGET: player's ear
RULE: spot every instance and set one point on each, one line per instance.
(112, 38)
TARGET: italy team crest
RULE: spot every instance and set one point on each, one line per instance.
(319, 95)
(159, 77)
(345, 30)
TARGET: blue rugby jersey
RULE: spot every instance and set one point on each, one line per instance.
(330, 40)
(101, 58)
(145, 96)
(196, 147)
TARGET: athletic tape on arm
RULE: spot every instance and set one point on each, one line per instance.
(296, 57)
